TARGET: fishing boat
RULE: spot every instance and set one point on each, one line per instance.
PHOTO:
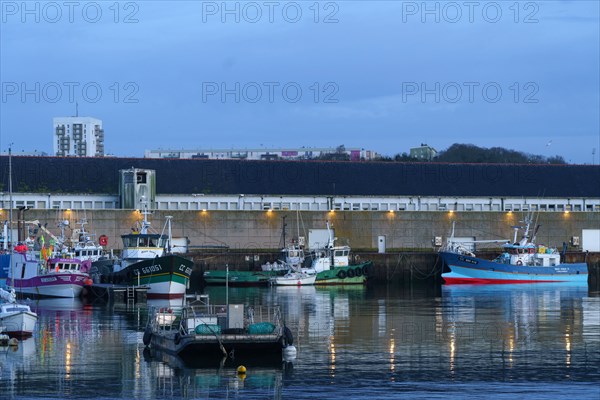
(521, 261)
(17, 319)
(30, 274)
(203, 331)
(147, 261)
(331, 265)
(239, 278)
(294, 278)
(293, 257)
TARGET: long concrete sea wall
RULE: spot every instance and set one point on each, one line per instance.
(261, 230)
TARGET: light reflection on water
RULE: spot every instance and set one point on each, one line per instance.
(376, 341)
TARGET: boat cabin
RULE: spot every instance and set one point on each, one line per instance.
(530, 255)
(322, 258)
(64, 264)
(91, 253)
(293, 255)
(6, 308)
(144, 240)
(142, 246)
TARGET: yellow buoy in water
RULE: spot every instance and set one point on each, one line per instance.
(241, 370)
(13, 342)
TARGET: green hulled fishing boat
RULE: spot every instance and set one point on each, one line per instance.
(240, 278)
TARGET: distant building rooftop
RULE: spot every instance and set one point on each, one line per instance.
(262, 153)
(337, 178)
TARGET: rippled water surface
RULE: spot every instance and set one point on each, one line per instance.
(503, 342)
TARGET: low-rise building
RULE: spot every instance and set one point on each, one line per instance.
(301, 153)
(424, 152)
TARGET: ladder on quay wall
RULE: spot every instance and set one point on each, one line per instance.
(130, 294)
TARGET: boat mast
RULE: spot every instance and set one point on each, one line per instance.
(298, 226)
(10, 190)
(283, 232)
(330, 232)
(5, 235)
(145, 223)
(169, 233)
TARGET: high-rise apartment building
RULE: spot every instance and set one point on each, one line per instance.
(78, 136)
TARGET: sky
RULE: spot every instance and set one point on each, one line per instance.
(380, 75)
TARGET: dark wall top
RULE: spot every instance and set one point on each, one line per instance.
(101, 175)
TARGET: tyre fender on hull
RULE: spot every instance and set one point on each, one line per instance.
(366, 269)
(341, 274)
(350, 273)
(288, 338)
(147, 336)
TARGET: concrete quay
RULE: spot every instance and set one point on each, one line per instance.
(261, 230)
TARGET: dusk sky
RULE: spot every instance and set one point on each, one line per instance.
(384, 76)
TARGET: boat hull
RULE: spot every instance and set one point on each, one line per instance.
(240, 278)
(471, 270)
(50, 285)
(166, 277)
(19, 324)
(349, 275)
(295, 281)
(190, 347)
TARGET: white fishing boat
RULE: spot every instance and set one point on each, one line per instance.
(84, 247)
(17, 319)
(294, 278)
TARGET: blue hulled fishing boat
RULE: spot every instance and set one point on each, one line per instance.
(521, 261)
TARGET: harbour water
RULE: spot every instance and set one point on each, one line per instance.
(379, 341)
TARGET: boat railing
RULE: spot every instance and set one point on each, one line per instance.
(177, 318)
(165, 318)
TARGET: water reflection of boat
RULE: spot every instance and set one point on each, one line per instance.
(517, 326)
(58, 304)
(202, 375)
(576, 289)
(19, 355)
(165, 303)
(295, 290)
